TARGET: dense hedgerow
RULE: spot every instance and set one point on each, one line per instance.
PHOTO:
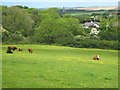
(101, 44)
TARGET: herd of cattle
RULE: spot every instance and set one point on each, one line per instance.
(11, 49)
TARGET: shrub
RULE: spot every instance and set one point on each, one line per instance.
(92, 43)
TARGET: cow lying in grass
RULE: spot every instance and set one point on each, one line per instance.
(12, 48)
(30, 50)
(96, 57)
(20, 49)
(9, 51)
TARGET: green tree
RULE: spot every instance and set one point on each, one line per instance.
(83, 18)
(53, 12)
(72, 25)
(52, 31)
(15, 20)
(113, 22)
(103, 24)
(35, 14)
(109, 29)
(25, 7)
(110, 34)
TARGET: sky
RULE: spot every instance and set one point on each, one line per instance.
(60, 3)
(60, 0)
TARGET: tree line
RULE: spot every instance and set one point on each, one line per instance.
(24, 25)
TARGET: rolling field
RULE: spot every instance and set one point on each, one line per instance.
(98, 8)
(89, 13)
(59, 67)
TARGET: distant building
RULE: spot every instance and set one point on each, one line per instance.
(91, 25)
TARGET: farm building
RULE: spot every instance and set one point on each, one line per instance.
(91, 25)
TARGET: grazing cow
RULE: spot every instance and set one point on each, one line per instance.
(9, 51)
(20, 49)
(30, 50)
(96, 57)
(12, 48)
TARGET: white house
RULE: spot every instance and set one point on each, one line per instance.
(91, 25)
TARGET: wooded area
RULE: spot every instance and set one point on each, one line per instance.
(24, 25)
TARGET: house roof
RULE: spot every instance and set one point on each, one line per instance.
(91, 24)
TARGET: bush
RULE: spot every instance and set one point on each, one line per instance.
(92, 43)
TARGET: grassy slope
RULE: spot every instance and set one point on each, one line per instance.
(89, 13)
(61, 67)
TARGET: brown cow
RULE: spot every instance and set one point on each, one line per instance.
(96, 57)
(30, 50)
(20, 49)
(12, 48)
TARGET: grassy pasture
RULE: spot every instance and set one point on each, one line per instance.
(59, 67)
(89, 13)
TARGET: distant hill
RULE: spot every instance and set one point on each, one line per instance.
(98, 8)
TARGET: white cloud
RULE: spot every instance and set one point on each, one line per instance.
(60, 0)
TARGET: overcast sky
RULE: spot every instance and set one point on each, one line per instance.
(60, 3)
(60, 0)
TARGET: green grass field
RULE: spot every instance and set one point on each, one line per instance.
(59, 67)
(89, 13)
